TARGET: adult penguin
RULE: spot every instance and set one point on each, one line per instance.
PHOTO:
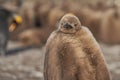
(4, 27)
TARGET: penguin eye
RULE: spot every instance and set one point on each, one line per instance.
(75, 24)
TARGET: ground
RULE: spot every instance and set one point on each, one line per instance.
(112, 56)
(28, 64)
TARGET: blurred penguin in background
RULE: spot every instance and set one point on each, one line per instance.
(4, 27)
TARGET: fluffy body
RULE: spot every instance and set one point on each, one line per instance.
(74, 56)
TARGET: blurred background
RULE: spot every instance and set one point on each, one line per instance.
(25, 26)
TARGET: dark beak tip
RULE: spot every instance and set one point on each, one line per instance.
(67, 26)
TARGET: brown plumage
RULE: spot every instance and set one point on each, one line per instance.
(72, 53)
(34, 36)
(93, 22)
(53, 16)
(27, 13)
(110, 27)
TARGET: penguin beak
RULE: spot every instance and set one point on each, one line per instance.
(12, 27)
(16, 21)
(67, 26)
